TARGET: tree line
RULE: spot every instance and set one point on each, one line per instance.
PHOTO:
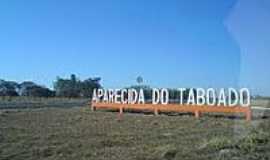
(69, 87)
(72, 87)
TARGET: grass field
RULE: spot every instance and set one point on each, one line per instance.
(75, 132)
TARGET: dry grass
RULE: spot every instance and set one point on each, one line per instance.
(78, 133)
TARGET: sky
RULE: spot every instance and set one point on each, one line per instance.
(174, 43)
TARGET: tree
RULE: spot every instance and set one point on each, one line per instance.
(73, 87)
(22, 88)
(88, 85)
(64, 88)
(38, 91)
(31, 89)
(8, 88)
(139, 79)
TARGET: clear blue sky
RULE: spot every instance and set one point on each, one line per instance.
(175, 43)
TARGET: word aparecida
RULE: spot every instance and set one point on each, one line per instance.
(196, 96)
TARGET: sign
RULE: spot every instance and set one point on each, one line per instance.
(195, 100)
